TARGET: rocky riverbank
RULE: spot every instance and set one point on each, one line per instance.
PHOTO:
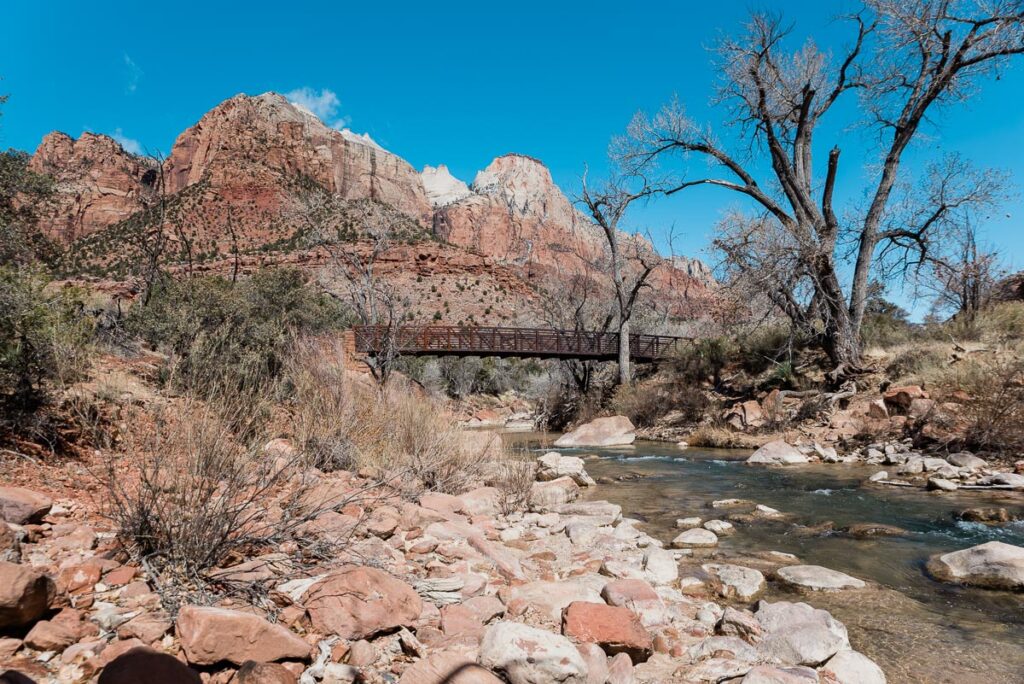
(443, 589)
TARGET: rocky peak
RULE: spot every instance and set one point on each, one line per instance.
(269, 140)
(97, 183)
(442, 187)
(524, 185)
(695, 268)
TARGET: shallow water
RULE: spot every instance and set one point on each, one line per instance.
(919, 630)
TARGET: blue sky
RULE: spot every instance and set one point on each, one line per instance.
(456, 83)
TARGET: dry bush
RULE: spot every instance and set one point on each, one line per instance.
(923, 363)
(514, 476)
(719, 437)
(187, 494)
(645, 403)
(996, 408)
(398, 433)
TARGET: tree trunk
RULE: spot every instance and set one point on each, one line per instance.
(625, 370)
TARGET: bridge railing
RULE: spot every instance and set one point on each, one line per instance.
(508, 341)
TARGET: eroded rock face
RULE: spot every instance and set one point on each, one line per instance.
(210, 635)
(600, 432)
(252, 139)
(360, 602)
(527, 655)
(994, 565)
(97, 184)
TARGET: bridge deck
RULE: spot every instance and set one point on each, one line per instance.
(443, 340)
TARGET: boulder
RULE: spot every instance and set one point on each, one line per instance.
(23, 506)
(616, 629)
(817, 578)
(660, 565)
(600, 432)
(527, 655)
(253, 672)
(965, 459)
(545, 495)
(360, 602)
(993, 565)
(141, 664)
(722, 528)
(695, 538)
(1006, 480)
(10, 544)
(554, 465)
(866, 530)
(620, 670)
(900, 398)
(59, 632)
(211, 635)
(25, 594)
(797, 634)
(639, 597)
(481, 501)
(777, 452)
(851, 667)
(941, 484)
(736, 581)
(986, 515)
(448, 667)
(551, 598)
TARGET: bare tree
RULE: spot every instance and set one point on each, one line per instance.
(631, 263)
(907, 60)
(152, 236)
(963, 277)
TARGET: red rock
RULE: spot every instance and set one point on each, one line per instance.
(362, 653)
(147, 627)
(382, 522)
(615, 629)
(25, 594)
(481, 501)
(901, 397)
(56, 634)
(877, 410)
(210, 635)
(639, 597)
(116, 649)
(252, 672)
(448, 667)
(459, 621)
(22, 506)
(359, 602)
(8, 647)
(79, 578)
(120, 576)
(620, 670)
(554, 492)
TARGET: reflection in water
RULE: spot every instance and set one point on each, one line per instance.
(927, 632)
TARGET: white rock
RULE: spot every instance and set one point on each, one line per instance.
(661, 566)
(851, 667)
(762, 511)
(769, 674)
(695, 538)
(879, 476)
(442, 187)
(995, 565)
(554, 465)
(966, 459)
(777, 452)
(797, 634)
(688, 523)
(527, 655)
(722, 528)
(817, 578)
(600, 432)
(736, 581)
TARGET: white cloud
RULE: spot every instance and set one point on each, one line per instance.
(134, 74)
(324, 105)
(129, 144)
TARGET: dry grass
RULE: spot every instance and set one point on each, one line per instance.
(718, 437)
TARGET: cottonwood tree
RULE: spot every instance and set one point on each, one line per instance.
(963, 277)
(631, 260)
(907, 61)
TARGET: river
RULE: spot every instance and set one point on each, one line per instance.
(917, 629)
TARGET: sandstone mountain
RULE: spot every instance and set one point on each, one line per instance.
(256, 180)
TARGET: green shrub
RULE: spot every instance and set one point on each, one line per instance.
(225, 337)
(44, 337)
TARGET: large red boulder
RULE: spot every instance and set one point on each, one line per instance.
(359, 602)
(210, 635)
(901, 398)
(23, 506)
(25, 594)
(614, 628)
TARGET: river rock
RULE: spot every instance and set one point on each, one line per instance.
(210, 635)
(359, 602)
(736, 581)
(769, 674)
(660, 565)
(879, 476)
(797, 634)
(720, 527)
(986, 515)
(639, 597)
(527, 655)
(851, 667)
(448, 667)
(616, 629)
(545, 495)
(695, 538)
(777, 452)
(733, 503)
(866, 530)
(993, 565)
(688, 523)
(554, 465)
(1009, 480)
(965, 459)
(25, 594)
(551, 598)
(600, 432)
(23, 506)
(817, 578)
(941, 484)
